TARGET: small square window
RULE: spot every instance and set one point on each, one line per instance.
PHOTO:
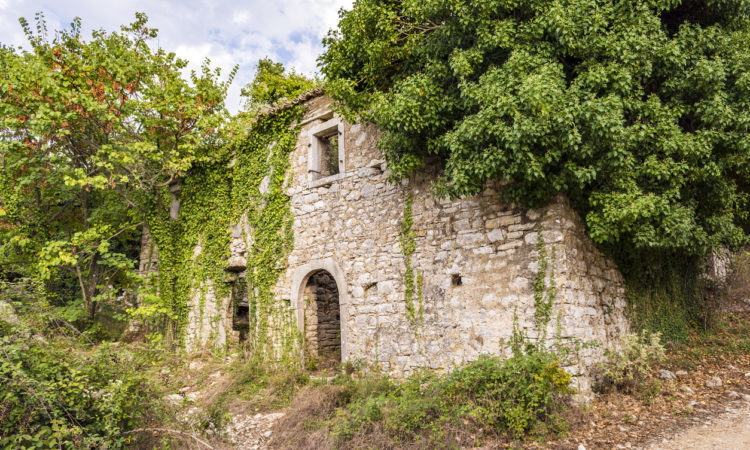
(329, 153)
(326, 155)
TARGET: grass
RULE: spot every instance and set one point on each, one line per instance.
(489, 399)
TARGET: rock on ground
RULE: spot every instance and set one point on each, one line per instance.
(251, 432)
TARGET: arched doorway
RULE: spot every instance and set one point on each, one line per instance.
(322, 318)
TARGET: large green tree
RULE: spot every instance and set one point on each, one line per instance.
(638, 110)
(90, 130)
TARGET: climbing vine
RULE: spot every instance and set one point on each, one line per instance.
(193, 250)
(544, 293)
(412, 278)
(243, 184)
(261, 175)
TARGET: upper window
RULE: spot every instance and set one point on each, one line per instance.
(326, 154)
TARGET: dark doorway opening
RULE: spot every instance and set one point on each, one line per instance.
(323, 318)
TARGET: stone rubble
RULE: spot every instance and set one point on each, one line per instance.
(666, 374)
(251, 432)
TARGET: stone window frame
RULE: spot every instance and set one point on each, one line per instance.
(315, 149)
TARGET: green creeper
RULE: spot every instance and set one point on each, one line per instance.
(637, 110)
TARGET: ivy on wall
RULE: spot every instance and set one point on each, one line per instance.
(545, 292)
(244, 184)
(203, 222)
(412, 277)
(263, 160)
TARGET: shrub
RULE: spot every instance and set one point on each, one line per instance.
(626, 369)
(53, 394)
(522, 395)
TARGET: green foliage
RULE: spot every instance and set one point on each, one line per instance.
(639, 111)
(522, 395)
(626, 369)
(412, 278)
(273, 83)
(266, 153)
(215, 196)
(56, 393)
(204, 219)
(89, 131)
(671, 301)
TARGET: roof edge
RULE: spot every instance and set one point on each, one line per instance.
(302, 98)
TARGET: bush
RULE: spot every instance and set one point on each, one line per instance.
(522, 395)
(627, 368)
(55, 394)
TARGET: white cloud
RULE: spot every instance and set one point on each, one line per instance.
(240, 17)
(227, 32)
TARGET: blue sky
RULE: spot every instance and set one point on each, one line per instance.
(227, 32)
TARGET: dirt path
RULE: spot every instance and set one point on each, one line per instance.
(730, 430)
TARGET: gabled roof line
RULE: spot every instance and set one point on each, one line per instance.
(302, 98)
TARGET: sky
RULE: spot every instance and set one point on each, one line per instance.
(228, 32)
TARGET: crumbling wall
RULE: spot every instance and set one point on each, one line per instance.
(149, 256)
(475, 260)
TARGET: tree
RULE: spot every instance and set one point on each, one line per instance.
(638, 110)
(90, 131)
(271, 83)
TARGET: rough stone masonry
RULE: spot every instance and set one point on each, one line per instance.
(477, 258)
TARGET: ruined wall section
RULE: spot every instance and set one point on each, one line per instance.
(209, 320)
(478, 258)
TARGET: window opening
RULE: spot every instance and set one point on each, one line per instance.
(329, 145)
(241, 317)
(326, 151)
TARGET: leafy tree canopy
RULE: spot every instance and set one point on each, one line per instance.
(89, 132)
(272, 83)
(638, 110)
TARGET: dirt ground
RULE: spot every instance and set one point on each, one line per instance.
(704, 404)
(727, 431)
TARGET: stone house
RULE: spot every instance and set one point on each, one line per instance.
(474, 263)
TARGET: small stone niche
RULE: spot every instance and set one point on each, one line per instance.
(323, 317)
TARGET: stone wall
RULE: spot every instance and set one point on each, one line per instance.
(209, 321)
(477, 258)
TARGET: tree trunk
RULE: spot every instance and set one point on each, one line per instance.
(91, 288)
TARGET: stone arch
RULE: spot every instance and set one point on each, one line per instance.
(300, 283)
